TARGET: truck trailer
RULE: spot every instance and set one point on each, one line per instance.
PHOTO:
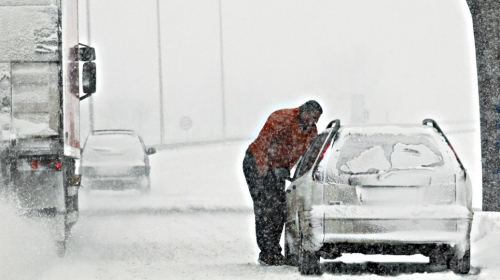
(40, 59)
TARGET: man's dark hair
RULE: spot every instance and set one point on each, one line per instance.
(311, 106)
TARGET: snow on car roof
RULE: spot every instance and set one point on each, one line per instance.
(408, 129)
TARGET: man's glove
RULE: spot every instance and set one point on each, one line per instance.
(282, 172)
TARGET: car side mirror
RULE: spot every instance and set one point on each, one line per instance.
(89, 77)
(151, 151)
(86, 53)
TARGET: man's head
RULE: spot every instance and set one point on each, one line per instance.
(309, 114)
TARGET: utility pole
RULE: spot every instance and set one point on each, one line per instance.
(222, 76)
(91, 99)
(160, 75)
(486, 22)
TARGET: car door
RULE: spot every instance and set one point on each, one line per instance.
(299, 181)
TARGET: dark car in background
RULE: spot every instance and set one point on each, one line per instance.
(116, 160)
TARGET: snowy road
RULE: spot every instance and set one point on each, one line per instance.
(196, 224)
(163, 244)
(197, 245)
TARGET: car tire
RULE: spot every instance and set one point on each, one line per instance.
(462, 265)
(309, 263)
(438, 256)
(291, 245)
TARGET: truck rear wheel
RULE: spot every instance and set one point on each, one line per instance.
(71, 189)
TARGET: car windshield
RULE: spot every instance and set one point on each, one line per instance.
(384, 152)
(113, 147)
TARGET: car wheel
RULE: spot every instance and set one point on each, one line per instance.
(291, 245)
(462, 265)
(146, 189)
(438, 256)
(309, 263)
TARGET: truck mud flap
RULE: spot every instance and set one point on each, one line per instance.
(72, 200)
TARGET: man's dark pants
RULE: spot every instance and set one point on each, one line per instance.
(269, 206)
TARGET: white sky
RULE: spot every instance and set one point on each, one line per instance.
(410, 59)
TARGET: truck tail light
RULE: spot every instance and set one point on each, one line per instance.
(34, 164)
(40, 164)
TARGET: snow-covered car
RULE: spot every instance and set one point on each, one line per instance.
(379, 189)
(116, 160)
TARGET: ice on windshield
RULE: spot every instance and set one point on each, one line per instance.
(113, 147)
(413, 156)
(381, 153)
(373, 158)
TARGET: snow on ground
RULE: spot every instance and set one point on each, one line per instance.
(25, 246)
(485, 238)
(196, 223)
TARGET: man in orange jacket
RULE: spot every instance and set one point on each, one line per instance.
(284, 138)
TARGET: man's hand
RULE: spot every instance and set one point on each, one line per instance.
(282, 172)
(262, 170)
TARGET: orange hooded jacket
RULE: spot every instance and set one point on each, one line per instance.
(282, 140)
